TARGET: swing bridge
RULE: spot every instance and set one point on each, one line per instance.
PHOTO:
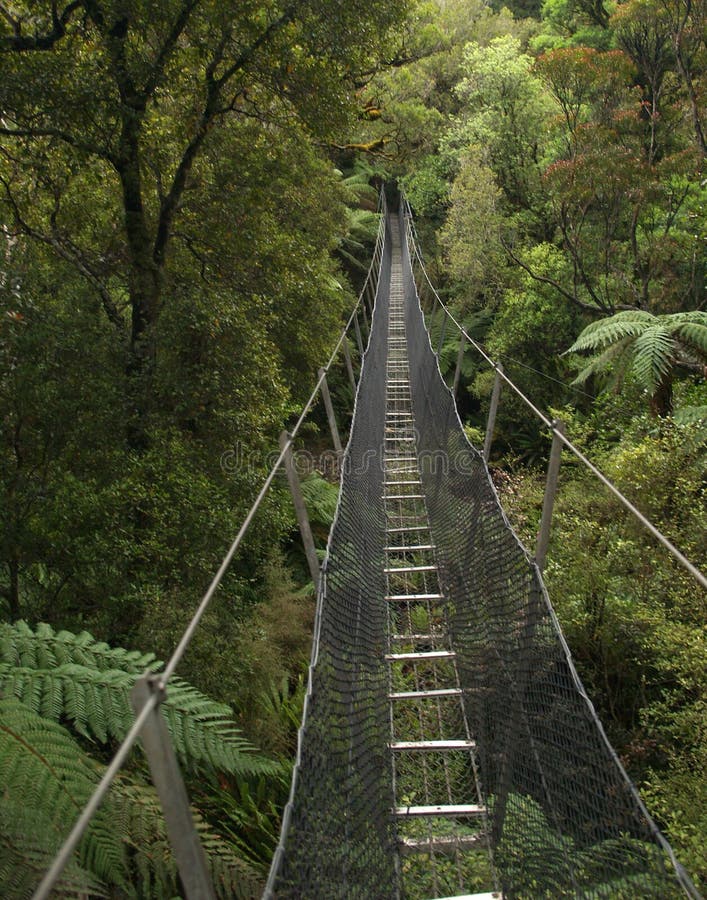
(448, 748)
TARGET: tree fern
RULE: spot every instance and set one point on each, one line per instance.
(653, 346)
(603, 332)
(96, 698)
(45, 780)
(45, 649)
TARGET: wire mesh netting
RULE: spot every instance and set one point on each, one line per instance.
(455, 613)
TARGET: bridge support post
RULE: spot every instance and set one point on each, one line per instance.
(493, 409)
(328, 405)
(370, 297)
(167, 778)
(365, 316)
(300, 508)
(460, 360)
(359, 339)
(442, 332)
(349, 364)
(553, 471)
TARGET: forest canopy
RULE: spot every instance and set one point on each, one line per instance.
(187, 206)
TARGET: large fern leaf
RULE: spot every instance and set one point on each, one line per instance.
(601, 361)
(96, 700)
(45, 780)
(44, 648)
(654, 353)
(694, 334)
(603, 332)
(135, 809)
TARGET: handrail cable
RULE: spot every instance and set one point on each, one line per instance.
(551, 423)
(64, 854)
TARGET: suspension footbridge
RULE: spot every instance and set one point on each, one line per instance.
(448, 748)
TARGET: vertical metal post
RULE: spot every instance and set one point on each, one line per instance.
(359, 339)
(365, 316)
(493, 409)
(326, 397)
(167, 778)
(442, 332)
(300, 508)
(370, 296)
(460, 359)
(349, 364)
(553, 471)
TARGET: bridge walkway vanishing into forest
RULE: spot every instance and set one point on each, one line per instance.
(447, 748)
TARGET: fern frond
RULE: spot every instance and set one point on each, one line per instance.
(142, 822)
(96, 699)
(599, 334)
(204, 731)
(693, 334)
(45, 780)
(653, 356)
(599, 363)
(45, 648)
(98, 705)
(24, 859)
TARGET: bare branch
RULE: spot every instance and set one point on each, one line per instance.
(212, 108)
(572, 297)
(22, 43)
(65, 136)
(68, 252)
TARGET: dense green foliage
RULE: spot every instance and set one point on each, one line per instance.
(185, 206)
(180, 238)
(65, 701)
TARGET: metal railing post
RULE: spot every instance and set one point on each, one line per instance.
(300, 508)
(365, 316)
(460, 359)
(369, 296)
(553, 471)
(167, 778)
(326, 397)
(359, 339)
(349, 364)
(493, 409)
(442, 332)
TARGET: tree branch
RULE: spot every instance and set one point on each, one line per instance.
(70, 254)
(21, 43)
(214, 88)
(64, 136)
(175, 31)
(587, 307)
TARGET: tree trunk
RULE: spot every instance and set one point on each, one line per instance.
(145, 279)
(13, 594)
(662, 400)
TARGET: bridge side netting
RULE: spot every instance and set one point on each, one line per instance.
(338, 839)
(565, 819)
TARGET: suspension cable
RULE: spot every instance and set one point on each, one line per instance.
(64, 855)
(549, 423)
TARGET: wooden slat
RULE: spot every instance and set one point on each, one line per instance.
(452, 811)
(431, 746)
(422, 695)
(421, 656)
(411, 548)
(443, 843)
